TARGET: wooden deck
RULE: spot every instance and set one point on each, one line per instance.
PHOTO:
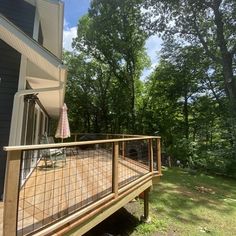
(50, 193)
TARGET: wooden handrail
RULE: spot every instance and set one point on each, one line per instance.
(71, 144)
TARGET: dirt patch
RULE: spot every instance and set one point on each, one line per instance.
(203, 189)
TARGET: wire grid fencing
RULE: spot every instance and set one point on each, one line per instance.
(56, 182)
(134, 161)
(61, 182)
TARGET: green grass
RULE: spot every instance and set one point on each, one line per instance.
(187, 204)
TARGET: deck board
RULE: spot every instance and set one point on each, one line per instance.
(50, 193)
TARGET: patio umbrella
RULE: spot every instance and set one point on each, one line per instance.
(63, 128)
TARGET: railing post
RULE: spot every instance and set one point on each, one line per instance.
(115, 157)
(159, 155)
(150, 153)
(11, 193)
(123, 148)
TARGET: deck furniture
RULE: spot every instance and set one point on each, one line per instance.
(51, 155)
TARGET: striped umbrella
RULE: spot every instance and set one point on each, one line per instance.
(63, 128)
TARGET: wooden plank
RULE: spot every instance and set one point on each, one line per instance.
(150, 148)
(71, 218)
(11, 193)
(73, 144)
(146, 204)
(128, 186)
(80, 182)
(159, 155)
(1, 218)
(115, 176)
(104, 212)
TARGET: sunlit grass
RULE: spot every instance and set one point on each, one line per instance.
(191, 204)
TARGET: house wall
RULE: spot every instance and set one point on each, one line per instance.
(9, 74)
(22, 15)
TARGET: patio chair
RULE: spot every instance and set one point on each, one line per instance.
(52, 155)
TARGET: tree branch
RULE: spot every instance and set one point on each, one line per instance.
(203, 42)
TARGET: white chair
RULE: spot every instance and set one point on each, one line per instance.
(52, 155)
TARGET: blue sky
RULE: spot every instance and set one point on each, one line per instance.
(74, 9)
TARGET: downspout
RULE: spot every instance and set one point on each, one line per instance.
(15, 122)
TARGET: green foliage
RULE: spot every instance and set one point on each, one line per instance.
(111, 35)
(146, 229)
(186, 104)
(188, 99)
(208, 24)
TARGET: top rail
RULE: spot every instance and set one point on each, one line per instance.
(71, 144)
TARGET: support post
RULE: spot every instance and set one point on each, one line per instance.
(146, 205)
(150, 154)
(115, 168)
(11, 193)
(123, 148)
(159, 155)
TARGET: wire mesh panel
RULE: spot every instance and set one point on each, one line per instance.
(61, 182)
(56, 182)
(134, 161)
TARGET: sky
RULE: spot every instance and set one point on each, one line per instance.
(74, 9)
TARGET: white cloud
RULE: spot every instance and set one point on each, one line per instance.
(68, 35)
(153, 47)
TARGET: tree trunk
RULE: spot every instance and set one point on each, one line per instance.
(185, 112)
(226, 58)
(133, 105)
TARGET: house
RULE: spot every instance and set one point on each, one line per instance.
(32, 76)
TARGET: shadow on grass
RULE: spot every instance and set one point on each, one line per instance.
(121, 223)
(177, 196)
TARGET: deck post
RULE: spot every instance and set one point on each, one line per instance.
(150, 153)
(159, 155)
(123, 148)
(115, 168)
(11, 193)
(146, 205)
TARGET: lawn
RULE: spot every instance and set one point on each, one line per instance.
(184, 203)
(181, 204)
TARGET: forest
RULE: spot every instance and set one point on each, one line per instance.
(189, 99)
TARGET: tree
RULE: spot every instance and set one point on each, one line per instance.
(211, 24)
(184, 109)
(87, 93)
(111, 34)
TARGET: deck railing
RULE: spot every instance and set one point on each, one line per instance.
(49, 183)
